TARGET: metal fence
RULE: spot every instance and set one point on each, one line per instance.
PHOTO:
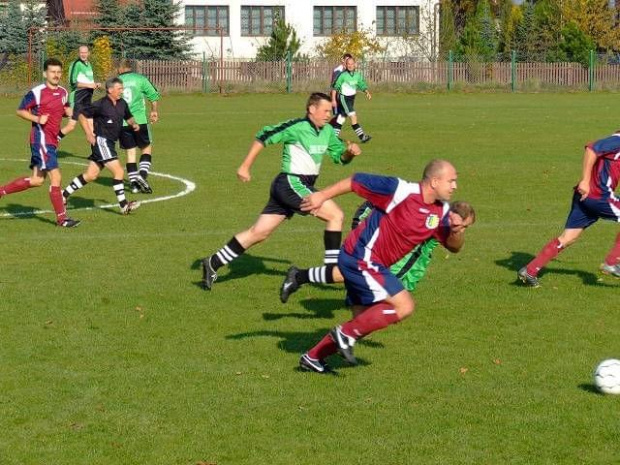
(229, 76)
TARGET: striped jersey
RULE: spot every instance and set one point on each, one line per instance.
(349, 82)
(606, 169)
(42, 100)
(305, 145)
(400, 221)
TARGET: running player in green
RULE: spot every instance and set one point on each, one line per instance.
(410, 269)
(82, 84)
(306, 141)
(138, 89)
(344, 88)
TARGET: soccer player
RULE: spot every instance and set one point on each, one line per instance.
(410, 269)
(82, 84)
(593, 199)
(137, 89)
(405, 215)
(44, 106)
(306, 141)
(343, 92)
(102, 122)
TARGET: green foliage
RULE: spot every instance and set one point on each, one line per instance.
(447, 28)
(526, 36)
(479, 38)
(575, 46)
(14, 26)
(282, 42)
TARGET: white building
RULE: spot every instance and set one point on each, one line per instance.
(405, 27)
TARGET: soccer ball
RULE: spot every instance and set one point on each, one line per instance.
(607, 376)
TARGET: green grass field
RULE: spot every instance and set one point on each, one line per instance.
(111, 353)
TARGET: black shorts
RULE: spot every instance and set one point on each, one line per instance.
(345, 105)
(286, 193)
(78, 107)
(103, 151)
(131, 139)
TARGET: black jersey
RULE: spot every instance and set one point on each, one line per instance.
(108, 117)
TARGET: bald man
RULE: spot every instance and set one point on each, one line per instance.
(406, 214)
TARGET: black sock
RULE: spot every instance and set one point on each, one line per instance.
(331, 240)
(232, 250)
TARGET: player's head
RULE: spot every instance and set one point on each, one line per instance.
(83, 52)
(346, 56)
(462, 215)
(319, 109)
(350, 64)
(440, 176)
(124, 65)
(114, 88)
(52, 71)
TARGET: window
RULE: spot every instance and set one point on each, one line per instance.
(259, 20)
(330, 20)
(398, 20)
(205, 19)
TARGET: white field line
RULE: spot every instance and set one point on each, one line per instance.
(189, 187)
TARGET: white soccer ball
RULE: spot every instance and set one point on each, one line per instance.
(607, 376)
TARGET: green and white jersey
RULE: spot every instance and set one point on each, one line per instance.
(347, 83)
(82, 72)
(412, 267)
(305, 145)
(137, 87)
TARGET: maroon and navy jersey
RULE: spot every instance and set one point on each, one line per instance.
(41, 100)
(606, 170)
(400, 221)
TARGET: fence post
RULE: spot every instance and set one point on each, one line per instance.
(289, 72)
(513, 70)
(450, 70)
(591, 72)
(205, 74)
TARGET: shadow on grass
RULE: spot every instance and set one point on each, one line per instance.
(318, 308)
(591, 388)
(246, 265)
(24, 212)
(517, 260)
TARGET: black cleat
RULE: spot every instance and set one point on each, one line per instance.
(528, 279)
(365, 138)
(209, 275)
(69, 223)
(345, 344)
(144, 186)
(289, 285)
(317, 366)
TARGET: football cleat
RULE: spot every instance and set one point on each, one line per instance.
(345, 344)
(69, 223)
(209, 275)
(611, 270)
(144, 186)
(306, 363)
(129, 207)
(134, 187)
(289, 285)
(528, 279)
(365, 138)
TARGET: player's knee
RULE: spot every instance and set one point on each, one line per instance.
(36, 182)
(405, 309)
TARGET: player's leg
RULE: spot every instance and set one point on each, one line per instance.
(238, 244)
(92, 172)
(37, 165)
(352, 114)
(332, 214)
(611, 265)
(295, 278)
(143, 139)
(128, 142)
(118, 174)
(58, 201)
(581, 216)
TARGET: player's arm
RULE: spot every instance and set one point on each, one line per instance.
(454, 232)
(128, 116)
(86, 121)
(314, 201)
(589, 158)
(243, 173)
(341, 152)
(364, 87)
(152, 95)
(28, 116)
(154, 115)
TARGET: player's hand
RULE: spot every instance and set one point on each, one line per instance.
(135, 127)
(243, 174)
(43, 119)
(584, 189)
(353, 149)
(91, 139)
(457, 224)
(154, 116)
(312, 202)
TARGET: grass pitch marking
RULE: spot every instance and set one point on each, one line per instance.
(189, 188)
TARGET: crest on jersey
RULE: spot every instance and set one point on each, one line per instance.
(432, 221)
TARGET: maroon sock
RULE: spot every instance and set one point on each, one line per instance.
(613, 257)
(323, 349)
(18, 185)
(58, 204)
(548, 253)
(372, 319)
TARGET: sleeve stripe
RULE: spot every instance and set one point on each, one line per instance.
(267, 134)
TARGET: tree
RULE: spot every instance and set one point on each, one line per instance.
(526, 36)
(479, 38)
(282, 42)
(15, 26)
(596, 20)
(447, 28)
(360, 44)
(575, 46)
